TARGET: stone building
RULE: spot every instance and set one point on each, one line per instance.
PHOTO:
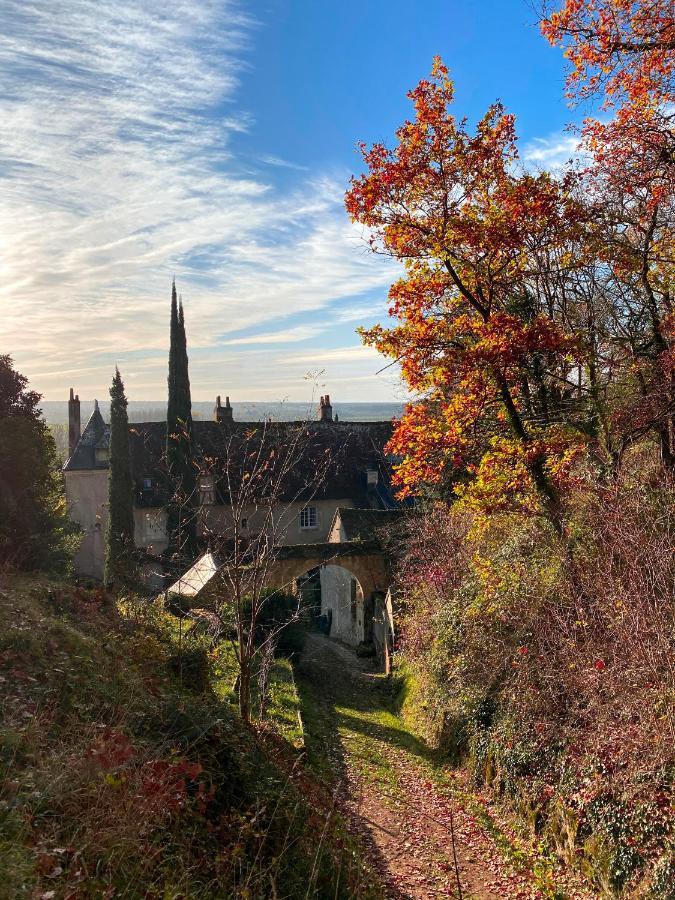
(356, 475)
(355, 618)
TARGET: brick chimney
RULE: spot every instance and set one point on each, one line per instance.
(325, 410)
(223, 413)
(73, 421)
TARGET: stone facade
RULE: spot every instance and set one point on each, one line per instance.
(302, 520)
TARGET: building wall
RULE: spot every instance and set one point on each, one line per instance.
(287, 524)
(342, 595)
(87, 496)
(150, 529)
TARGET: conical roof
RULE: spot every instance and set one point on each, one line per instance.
(96, 436)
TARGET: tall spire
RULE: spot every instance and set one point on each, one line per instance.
(173, 342)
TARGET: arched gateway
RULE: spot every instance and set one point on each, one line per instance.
(361, 561)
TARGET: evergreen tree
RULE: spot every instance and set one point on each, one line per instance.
(171, 414)
(119, 554)
(35, 529)
(180, 463)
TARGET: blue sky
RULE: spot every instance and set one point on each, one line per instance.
(213, 140)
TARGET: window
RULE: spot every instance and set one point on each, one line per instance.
(206, 491)
(147, 484)
(308, 517)
(244, 523)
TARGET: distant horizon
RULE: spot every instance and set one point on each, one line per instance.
(56, 411)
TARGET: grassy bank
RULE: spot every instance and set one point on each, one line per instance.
(126, 772)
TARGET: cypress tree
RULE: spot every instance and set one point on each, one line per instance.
(180, 463)
(171, 413)
(119, 551)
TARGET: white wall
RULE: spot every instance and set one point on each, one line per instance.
(87, 496)
(342, 595)
(287, 525)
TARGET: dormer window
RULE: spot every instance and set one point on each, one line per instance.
(206, 491)
(147, 484)
(101, 456)
(371, 477)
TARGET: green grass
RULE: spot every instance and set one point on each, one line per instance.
(352, 721)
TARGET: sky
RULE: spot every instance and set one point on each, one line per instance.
(212, 141)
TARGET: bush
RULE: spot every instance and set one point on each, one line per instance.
(549, 668)
(192, 668)
(35, 529)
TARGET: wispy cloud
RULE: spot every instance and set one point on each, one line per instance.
(118, 172)
(552, 152)
(287, 336)
(270, 160)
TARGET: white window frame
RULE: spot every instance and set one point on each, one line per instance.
(309, 518)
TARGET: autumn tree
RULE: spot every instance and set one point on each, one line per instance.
(476, 339)
(622, 49)
(624, 52)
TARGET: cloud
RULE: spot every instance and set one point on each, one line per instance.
(118, 171)
(271, 160)
(289, 336)
(552, 152)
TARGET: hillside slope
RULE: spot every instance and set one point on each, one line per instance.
(126, 773)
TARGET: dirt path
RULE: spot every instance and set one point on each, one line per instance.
(427, 837)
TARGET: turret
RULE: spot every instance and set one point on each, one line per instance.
(325, 410)
(223, 413)
(73, 421)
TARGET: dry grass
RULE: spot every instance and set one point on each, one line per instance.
(119, 778)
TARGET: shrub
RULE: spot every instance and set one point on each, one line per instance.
(550, 667)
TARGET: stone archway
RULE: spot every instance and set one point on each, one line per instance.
(364, 560)
(352, 576)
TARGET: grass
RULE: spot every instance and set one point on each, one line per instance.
(352, 722)
(122, 774)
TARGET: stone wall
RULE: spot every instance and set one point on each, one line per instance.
(287, 525)
(87, 496)
(342, 594)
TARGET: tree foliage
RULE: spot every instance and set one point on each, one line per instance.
(535, 329)
(179, 440)
(533, 323)
(35, 531)
(120, 547)
(623, 49)
(477, 337)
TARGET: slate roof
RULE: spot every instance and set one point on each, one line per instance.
(222, 448)
(362, 524)
(96, 435)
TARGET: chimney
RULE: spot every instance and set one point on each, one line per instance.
(325, 410)
(73, 422)
(223, 413)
